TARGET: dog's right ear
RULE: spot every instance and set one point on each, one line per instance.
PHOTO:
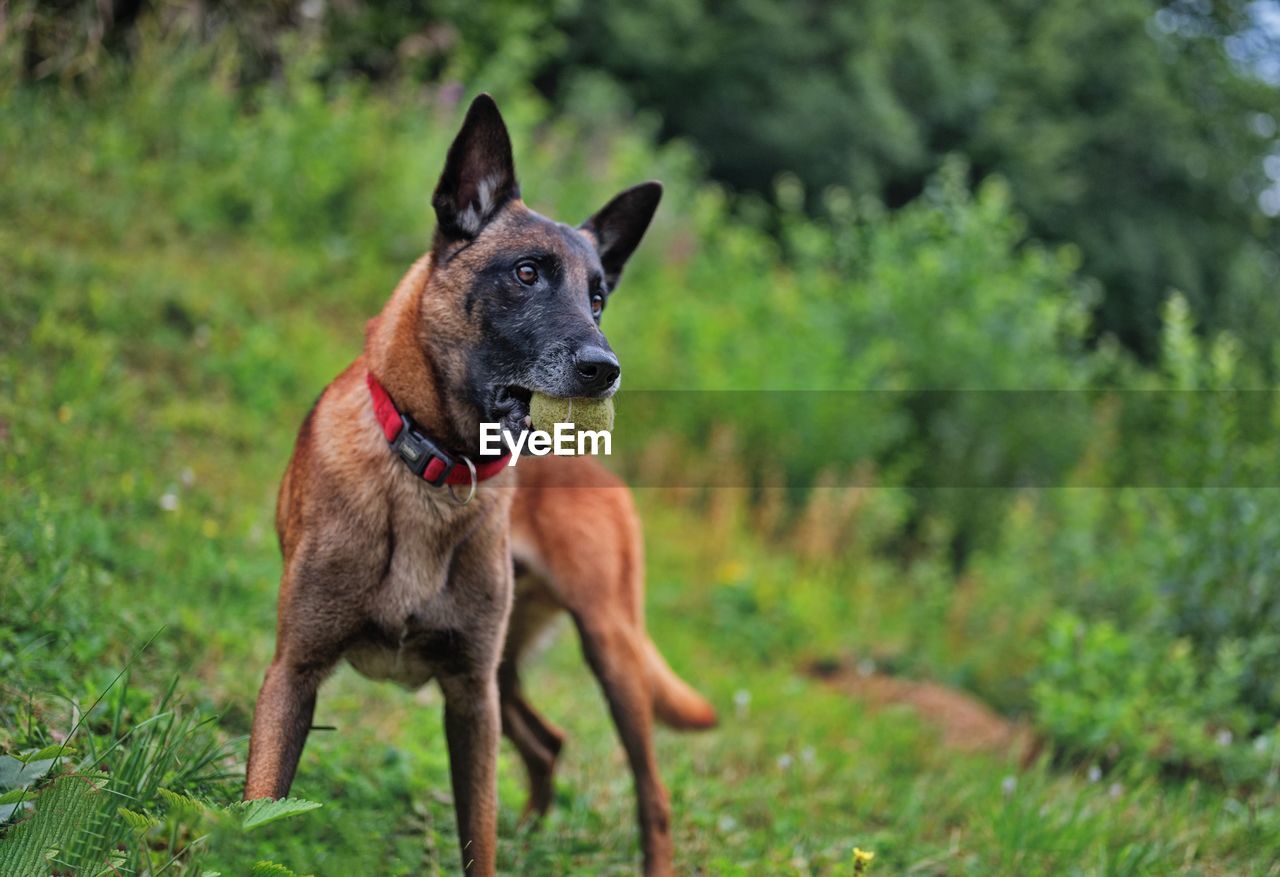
(479, 174)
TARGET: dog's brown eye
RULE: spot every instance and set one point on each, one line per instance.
(527, 273)
(597, 304)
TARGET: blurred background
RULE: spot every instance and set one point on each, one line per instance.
(983, 573)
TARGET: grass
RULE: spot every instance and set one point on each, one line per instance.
(150, 384)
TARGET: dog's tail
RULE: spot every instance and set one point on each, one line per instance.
(675, 703)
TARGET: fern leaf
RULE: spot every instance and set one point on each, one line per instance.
(183, 806)
(135, 820)
(270, 869)
(65, 808)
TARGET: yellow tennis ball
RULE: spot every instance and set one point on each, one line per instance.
(593, 414)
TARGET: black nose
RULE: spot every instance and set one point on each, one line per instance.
(597, 369)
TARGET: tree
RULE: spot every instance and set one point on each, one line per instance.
(1121, 125)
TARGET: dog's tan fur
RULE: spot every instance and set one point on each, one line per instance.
(392, 574)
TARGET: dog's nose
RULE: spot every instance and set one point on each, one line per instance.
(597, 369)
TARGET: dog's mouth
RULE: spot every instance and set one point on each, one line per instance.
(510, 408)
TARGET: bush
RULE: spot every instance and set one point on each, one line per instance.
(1164, 563)
(1149, 700)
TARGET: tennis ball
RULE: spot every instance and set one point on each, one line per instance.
(593, 414)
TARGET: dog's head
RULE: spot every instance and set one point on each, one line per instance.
(514, 301)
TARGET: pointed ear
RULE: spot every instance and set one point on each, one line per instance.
(620, 224)
(479, 174)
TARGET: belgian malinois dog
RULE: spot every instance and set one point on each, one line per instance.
(397, 534)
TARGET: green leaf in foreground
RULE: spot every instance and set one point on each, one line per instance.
(16, 773)
(49, 753)
(263, 811)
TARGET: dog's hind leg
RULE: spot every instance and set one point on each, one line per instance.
(537, 741)
(615, 651)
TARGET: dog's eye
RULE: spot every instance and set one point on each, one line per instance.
(597, 304)
(527, 273)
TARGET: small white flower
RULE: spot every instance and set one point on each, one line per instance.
(1095, 773)
(807, 755)
(169, 501)
(1115, 790)
(742, 701)
(727, 824)
(1224, 737)
(866, 667)
(187, 476)
(785, 761)
(1009, 785)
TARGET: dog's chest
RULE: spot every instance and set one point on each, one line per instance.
(419, 620)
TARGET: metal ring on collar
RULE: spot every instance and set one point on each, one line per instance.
(471, 467)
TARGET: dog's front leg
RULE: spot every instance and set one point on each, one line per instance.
(473, 728)
(281, 721)
(482, 581)
(319, 610)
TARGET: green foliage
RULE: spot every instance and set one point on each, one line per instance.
(187, 263)
(1133, 130)
(76, 820)
(270, 869)
(58, 832)
(1146, 698)
(1165, 653)
(1122, 127)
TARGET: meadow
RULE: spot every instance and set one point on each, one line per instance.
(186, 264)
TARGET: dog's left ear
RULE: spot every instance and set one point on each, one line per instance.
(479, 174)
(619, 225)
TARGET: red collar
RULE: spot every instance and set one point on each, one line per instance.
(424, 457)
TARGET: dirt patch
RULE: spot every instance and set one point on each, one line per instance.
(964, 723)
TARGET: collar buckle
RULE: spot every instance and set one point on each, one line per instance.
(417, 451)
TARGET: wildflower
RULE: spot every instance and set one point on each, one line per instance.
(862, 860)
(1008, 785)
(1095, 773)
(169, 501)
(731, 571)
(785, 761)
(742, 701)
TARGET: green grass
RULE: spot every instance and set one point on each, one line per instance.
(151, 380)
(112, 401)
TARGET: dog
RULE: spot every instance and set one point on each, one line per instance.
(396, 533)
